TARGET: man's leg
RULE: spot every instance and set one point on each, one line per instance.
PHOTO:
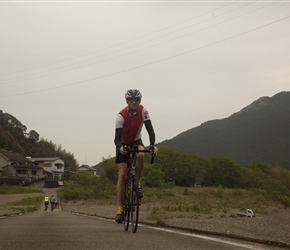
(139, 169)
(120, 189)
(140, 162)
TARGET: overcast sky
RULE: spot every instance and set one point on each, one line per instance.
(65, 65)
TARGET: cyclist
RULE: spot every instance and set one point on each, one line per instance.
(52, 202)
(46, 202)
(129, 123)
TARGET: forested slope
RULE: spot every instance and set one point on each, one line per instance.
(259, 132)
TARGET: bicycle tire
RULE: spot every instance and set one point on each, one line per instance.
(134, 205)
(126, 209)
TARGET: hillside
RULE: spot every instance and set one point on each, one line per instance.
(15, 138)
(259, 132)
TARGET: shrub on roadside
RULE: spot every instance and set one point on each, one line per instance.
(87, 186)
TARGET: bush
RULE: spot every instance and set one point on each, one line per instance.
(285, 200)
(153, 176)
(219, 192)
(87, 186)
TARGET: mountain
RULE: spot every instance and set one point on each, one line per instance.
(259, 132)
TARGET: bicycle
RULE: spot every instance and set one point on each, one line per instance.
(52, 204)
(131, 196)
(46, 205)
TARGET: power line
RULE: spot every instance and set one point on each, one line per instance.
(105, 60)
(150, 63)
(116, 45)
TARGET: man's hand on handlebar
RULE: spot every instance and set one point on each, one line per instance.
(153, 150)
(123, 150)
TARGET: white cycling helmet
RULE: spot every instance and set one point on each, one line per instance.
(133, 93)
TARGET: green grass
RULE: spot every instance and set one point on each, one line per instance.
(25, 205)
(30, 201)
(5, 189)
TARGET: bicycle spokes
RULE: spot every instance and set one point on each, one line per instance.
(134, 207)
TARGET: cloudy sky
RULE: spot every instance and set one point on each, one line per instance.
(65, 65)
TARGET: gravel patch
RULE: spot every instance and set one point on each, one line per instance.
(272, 228)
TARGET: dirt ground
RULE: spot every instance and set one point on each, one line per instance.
(271, 228)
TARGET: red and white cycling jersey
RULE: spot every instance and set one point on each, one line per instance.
(131, 124)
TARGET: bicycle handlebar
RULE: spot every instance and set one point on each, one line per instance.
(136, 150)
(148, 151)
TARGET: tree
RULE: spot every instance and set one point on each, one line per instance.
(9, 122)
(282, 174)
(153, 175)
(33, 136)
(111, 170)
(225, 172)
(13, 137)
(258, 176)
(179, 167)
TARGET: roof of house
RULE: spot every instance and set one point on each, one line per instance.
(23, 167)
(15, 157)
(99, 168)
(44, 159)
(85, 167)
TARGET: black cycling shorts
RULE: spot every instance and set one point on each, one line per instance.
(125, 158)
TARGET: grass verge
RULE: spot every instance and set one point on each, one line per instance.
(26, 205)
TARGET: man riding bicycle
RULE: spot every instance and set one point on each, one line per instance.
(52, 202)
(46, 202)
(129, 123)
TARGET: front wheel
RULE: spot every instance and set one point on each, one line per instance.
(134, 205)
(126, 207)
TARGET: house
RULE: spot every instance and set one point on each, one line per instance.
(53, 166)
(16, 165)
(98, 169)
(85, 168)
(30, 171)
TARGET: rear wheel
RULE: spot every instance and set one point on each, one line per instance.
(134, 205)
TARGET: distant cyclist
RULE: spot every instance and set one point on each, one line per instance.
(129, 123)
(46, 202)
(52, 202)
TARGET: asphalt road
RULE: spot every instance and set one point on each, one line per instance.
(62, 230)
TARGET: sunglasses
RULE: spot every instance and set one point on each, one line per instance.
(134, 99)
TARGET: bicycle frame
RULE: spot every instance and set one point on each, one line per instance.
(131, 196)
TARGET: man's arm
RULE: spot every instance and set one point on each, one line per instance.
(150, 130)
(118, 130)
(117, 140)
